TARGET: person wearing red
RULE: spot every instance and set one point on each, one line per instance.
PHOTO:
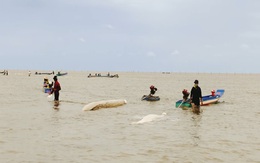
(185, 95)
(56, 88)
(152, 90)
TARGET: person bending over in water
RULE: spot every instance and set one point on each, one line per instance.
(152, 90)
(185, 95)
(45, 82)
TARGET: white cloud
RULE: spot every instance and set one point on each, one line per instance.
(109, 26)
(254, 15)
(82, 40)
(175, 52)
(244, 46)
(209, 46)
(119, 55)
(251, 34)
(151, 54)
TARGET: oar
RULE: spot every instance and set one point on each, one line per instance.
(144, 96)
(181, 104)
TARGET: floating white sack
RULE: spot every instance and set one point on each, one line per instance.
(150, 118)
(103, 104)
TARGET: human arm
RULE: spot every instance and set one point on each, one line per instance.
(201, 101)
(191, 95)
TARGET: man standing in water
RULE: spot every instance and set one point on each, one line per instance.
(56, 90)
(196, 97)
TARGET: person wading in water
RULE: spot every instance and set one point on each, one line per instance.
(196, 97)
(56, 88)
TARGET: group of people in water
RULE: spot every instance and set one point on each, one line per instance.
(99, 75)
(195, 93)
(195, 96)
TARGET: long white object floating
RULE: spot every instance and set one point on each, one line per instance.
(103, 104)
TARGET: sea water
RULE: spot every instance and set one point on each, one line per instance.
(33, 130)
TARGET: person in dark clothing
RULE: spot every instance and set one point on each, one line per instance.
(196, 97)
(56, 88)
(152, 90)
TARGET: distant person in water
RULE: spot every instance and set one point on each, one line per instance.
(46, 83)
(152, 90)
(56, 88)
(196, 97)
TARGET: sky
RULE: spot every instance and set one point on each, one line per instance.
(214, 36)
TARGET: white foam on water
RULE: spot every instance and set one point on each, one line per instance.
(150, 118)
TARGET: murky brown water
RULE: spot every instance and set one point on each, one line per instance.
(32, 131)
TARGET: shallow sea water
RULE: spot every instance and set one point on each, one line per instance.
(32, 130)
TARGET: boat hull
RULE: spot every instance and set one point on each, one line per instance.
(150, 98)
(61, 74)
(44, 73)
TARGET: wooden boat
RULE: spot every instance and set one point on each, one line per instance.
(44, 73)
(150, 98)
(209, 99)
(61, 74)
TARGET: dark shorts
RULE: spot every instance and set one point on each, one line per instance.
(56, 96)
(196, 102)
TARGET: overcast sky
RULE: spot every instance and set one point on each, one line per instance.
(131, 35)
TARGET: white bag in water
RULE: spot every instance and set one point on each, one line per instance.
(150, 118)
(103, 104)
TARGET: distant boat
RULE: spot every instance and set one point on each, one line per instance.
(61, 74)
(107, 76)
(5, 72)
(44, 73)
(209, 99)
